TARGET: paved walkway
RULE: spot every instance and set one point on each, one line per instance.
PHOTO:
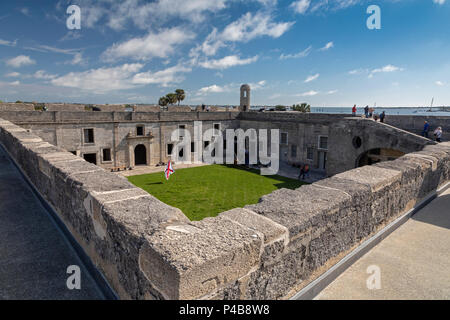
(414, 261)
(34, 255)
(289, 171)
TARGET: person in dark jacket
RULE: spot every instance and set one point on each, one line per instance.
(426, 129)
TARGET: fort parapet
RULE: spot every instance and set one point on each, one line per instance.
(149, 250)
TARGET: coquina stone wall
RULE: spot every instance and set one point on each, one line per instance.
(16, 107)
(149, 250)
(415, 124)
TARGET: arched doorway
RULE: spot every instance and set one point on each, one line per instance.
(377, 155)
(140, 155)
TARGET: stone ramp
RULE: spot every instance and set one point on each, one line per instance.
(413, 261)
(34, 255)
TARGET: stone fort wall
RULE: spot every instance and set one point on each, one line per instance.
(324, 141)
(117, 132)
(149, 250)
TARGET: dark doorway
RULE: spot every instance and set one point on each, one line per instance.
(377, 155)
(140, 155)
(90, 157)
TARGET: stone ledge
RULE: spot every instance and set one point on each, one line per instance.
(200, 257)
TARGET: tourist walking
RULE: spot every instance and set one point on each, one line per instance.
(354, 111)
(375, 116)
(438, 134)
(301, 172)
(426, 128)
(304, 172)
(366, 111)
(382, 116)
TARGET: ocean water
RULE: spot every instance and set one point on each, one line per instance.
(389, 111)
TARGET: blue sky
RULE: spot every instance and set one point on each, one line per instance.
(289, 51)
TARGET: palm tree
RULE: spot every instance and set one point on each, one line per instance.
(304, 107)
(180, 95)
(171, 98)
(163, 101)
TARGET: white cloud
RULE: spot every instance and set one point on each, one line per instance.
(117, 15)
(259, 85)
(248, 27)
(41, 74)
(25, 11)
(312, 78)
(332, 91)
(301, 54)
(358, 71)
(8, 43)
(159, 45)
(300, 6)
(15, 83)
(211, 89)
(231, 87)
(440, 83)
(101, 80)
(77, 59)
(386, 69)
(328, 46)
(439, 1)
(12, 75)
(164, 77)
(20, 61)
(227, 62)
(307, 94)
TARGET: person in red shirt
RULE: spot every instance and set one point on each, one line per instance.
(354, 110)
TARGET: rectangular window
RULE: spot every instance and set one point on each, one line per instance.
(181, 127)
(294, 151)
(169, 149)
(192, 147)
(88, 135)
(216, 126)
(140, 131)
(284, 138)
(106, 155)
(323, 142)
(309, 153)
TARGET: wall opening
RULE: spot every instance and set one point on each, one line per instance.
(90, 157)
(377, 155)
(140, 155)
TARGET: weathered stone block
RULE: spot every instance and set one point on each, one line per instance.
(193, 260)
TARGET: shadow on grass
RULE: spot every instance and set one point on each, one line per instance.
(286, 183)
(153, 183)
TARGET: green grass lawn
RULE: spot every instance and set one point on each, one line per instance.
(207, 191)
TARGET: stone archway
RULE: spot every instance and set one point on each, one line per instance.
(377, 155)
(140, 155)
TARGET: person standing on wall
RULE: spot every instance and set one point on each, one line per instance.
(426, 128)
(438, 134)
(354, 111)
(366, 111)
(375, 116)
(382, 116)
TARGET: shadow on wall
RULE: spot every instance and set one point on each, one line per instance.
(441, 214)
